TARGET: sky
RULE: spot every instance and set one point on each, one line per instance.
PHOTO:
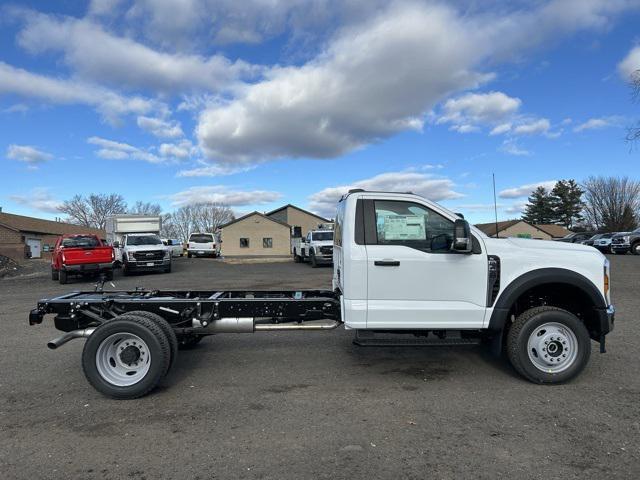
(265, 102)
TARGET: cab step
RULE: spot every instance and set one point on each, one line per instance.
(385, 339)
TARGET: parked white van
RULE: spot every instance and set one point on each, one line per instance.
(201, 244)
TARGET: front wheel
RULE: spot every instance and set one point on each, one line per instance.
(635, 248)
(314, 262)
(548, 345)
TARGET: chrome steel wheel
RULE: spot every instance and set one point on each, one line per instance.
(552, 347)
(123, 359)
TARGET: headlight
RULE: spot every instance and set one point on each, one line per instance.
(625, 239)
(167, 253)
(130, 257)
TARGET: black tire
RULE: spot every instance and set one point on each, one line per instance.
(168, 269)
(188, 255)
(126, 270)
(296, 257)
(518, 338)
(108, 275)
(635, 248)
(312, 258)
(54, 274)
(159, 352)
(187, 342)
(166, 329)
(62, 277)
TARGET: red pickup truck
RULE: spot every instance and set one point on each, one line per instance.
(81, 254)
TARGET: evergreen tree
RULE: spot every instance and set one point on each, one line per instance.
(567, 204)
(539, 208)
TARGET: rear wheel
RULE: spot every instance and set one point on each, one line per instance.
(188, 255)
(62, 277)
(54, 274)
(548, 345)
(166, 329)
(126, 357)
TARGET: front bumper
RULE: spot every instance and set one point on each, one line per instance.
(151, 265)
(620, 247)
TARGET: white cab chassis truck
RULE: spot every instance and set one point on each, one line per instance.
(406, 272)
(316, 248)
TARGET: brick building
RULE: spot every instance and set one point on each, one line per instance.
(17, 232)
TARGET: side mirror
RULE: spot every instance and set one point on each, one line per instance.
(116, 244)
(461, 237)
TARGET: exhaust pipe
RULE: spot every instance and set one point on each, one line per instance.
(62, 339)
(249, 325)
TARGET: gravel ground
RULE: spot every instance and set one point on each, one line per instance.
(294, 405)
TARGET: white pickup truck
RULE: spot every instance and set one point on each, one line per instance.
(316, 248)
(404, 267)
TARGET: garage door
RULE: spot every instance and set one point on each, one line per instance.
(35, 245)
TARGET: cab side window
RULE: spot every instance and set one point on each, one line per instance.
(412, 225)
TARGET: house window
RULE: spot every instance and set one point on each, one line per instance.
(244, 243)
(267, 242)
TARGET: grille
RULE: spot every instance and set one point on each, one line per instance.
(326, 250)
(617, 240)
(149, 255)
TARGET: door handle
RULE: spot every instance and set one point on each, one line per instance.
(387, 263)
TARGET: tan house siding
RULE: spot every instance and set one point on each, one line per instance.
(297, 218)
(255, 227)
(522, 229)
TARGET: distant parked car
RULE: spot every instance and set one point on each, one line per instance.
(626, 242)
(602, 242)
(202, 244)
(576, 237)
(175, 246)
(80, 255)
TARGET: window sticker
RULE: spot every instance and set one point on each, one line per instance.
(401, 227)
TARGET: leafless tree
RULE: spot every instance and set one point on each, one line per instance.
(612, 203)
(93, 210)
(208, 217)
(633, 133)
(145, 208)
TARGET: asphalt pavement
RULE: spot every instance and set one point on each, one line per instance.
(293, 405)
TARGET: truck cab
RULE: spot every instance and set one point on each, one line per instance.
(316, 248)
(405, 264)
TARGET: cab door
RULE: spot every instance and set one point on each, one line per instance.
(414, 280)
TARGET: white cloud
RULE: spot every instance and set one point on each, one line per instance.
(112, 150)
(511, 147)
(213, 171)
(478, 108)
(324, 202)
(525, 190)
(598, 123)
(630, 65)
(38, 199)
(533, 127)
(358, 90)
(222, 194)
(516, 208)
(100, 56)
(181, 150)
(500, 129)
(160, 127)
(68, 92)
(28, 154)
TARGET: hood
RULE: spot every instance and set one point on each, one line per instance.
(531, 244)
(145, 248)
(620, 234)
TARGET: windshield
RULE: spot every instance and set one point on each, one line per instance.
(201, 238)
(144, 240)
(321, 236)
(80, 242)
